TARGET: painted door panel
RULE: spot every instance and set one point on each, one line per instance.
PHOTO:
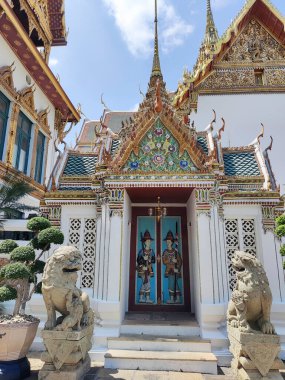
(159, 262)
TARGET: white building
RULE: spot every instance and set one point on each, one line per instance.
(34, 109)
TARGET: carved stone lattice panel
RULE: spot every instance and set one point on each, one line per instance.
(82, 235)
(232, 245)
(74, 232)
(239, 235)
(248, 236)
(89, 251)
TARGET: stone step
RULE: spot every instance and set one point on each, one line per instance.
(159, 343)
(197, 362)
(165, 328)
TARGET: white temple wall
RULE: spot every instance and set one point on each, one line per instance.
(194, 263)
(7, 57)
(243, 114)
(211, 259)
(125, 262)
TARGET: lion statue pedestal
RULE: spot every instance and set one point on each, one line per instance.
(67, 338)
(253, 341)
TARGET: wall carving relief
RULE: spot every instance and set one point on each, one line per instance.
(254, 44)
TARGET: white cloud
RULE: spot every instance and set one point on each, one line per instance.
(53, 61)
(134, 18)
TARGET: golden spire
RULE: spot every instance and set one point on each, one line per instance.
(211, 38)
(211, 35)
(156, 70)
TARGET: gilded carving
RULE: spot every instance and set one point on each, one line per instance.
(254, 44)
(26, 98)
(227, 78)
(6, 78)
(12, 132)
(275, 76)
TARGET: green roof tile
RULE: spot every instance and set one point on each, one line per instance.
(80, 165)
(241, 164)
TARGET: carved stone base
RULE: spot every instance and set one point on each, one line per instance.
(66, 350)
(255, 355)
(70, 372)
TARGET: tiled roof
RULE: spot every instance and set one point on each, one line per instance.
(115, 146)
(241, 164)
(80, 165)
(113, 119)
(202, 142)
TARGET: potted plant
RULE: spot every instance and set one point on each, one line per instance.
(19, 281)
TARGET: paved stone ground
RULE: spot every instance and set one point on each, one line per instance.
(97, 372)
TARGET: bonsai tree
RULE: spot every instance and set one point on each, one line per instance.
(280, 232)
(11, 193)
(18, 278)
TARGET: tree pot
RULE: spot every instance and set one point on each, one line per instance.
(15, 342)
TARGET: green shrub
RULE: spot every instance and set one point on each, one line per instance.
(38, 224)
(280, 221)
(280, 231)
(282, 250)
(50, 235)
(37, 266)
(15, 271)
(7, 293)
(23, 254)
(7, 246)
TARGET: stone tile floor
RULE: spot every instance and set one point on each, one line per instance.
(97, 372)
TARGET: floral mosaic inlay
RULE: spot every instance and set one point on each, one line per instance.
(159, 152)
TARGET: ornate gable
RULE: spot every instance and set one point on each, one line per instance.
(162, 144)
(159, 151)
(254, 44)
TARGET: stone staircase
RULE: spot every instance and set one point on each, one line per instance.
(159, 342)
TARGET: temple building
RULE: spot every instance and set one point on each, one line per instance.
(34, 109)
(158, 205)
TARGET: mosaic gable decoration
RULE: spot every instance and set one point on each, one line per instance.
(159, 151)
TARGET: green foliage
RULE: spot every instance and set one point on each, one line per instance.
(7, 293)
(7, 246)
(37, 266)
(10, 195)
(15, 271)
(38, 224)
(37, 245)
(280, 231)
(23, 254)
(50, 235)
(280, 221)
(282, 250)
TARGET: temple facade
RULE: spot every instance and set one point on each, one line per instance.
(158, 205)
(34, 109)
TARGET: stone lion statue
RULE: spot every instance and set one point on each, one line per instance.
(250, 306)
(61, 294)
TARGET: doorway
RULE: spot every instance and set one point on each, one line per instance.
(159, 261)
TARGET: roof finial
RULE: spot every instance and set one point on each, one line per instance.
(211, 36)
(209, 43)
(156, 70)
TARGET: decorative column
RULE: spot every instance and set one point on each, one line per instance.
(12, 133)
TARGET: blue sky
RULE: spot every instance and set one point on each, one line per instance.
(110, 47)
